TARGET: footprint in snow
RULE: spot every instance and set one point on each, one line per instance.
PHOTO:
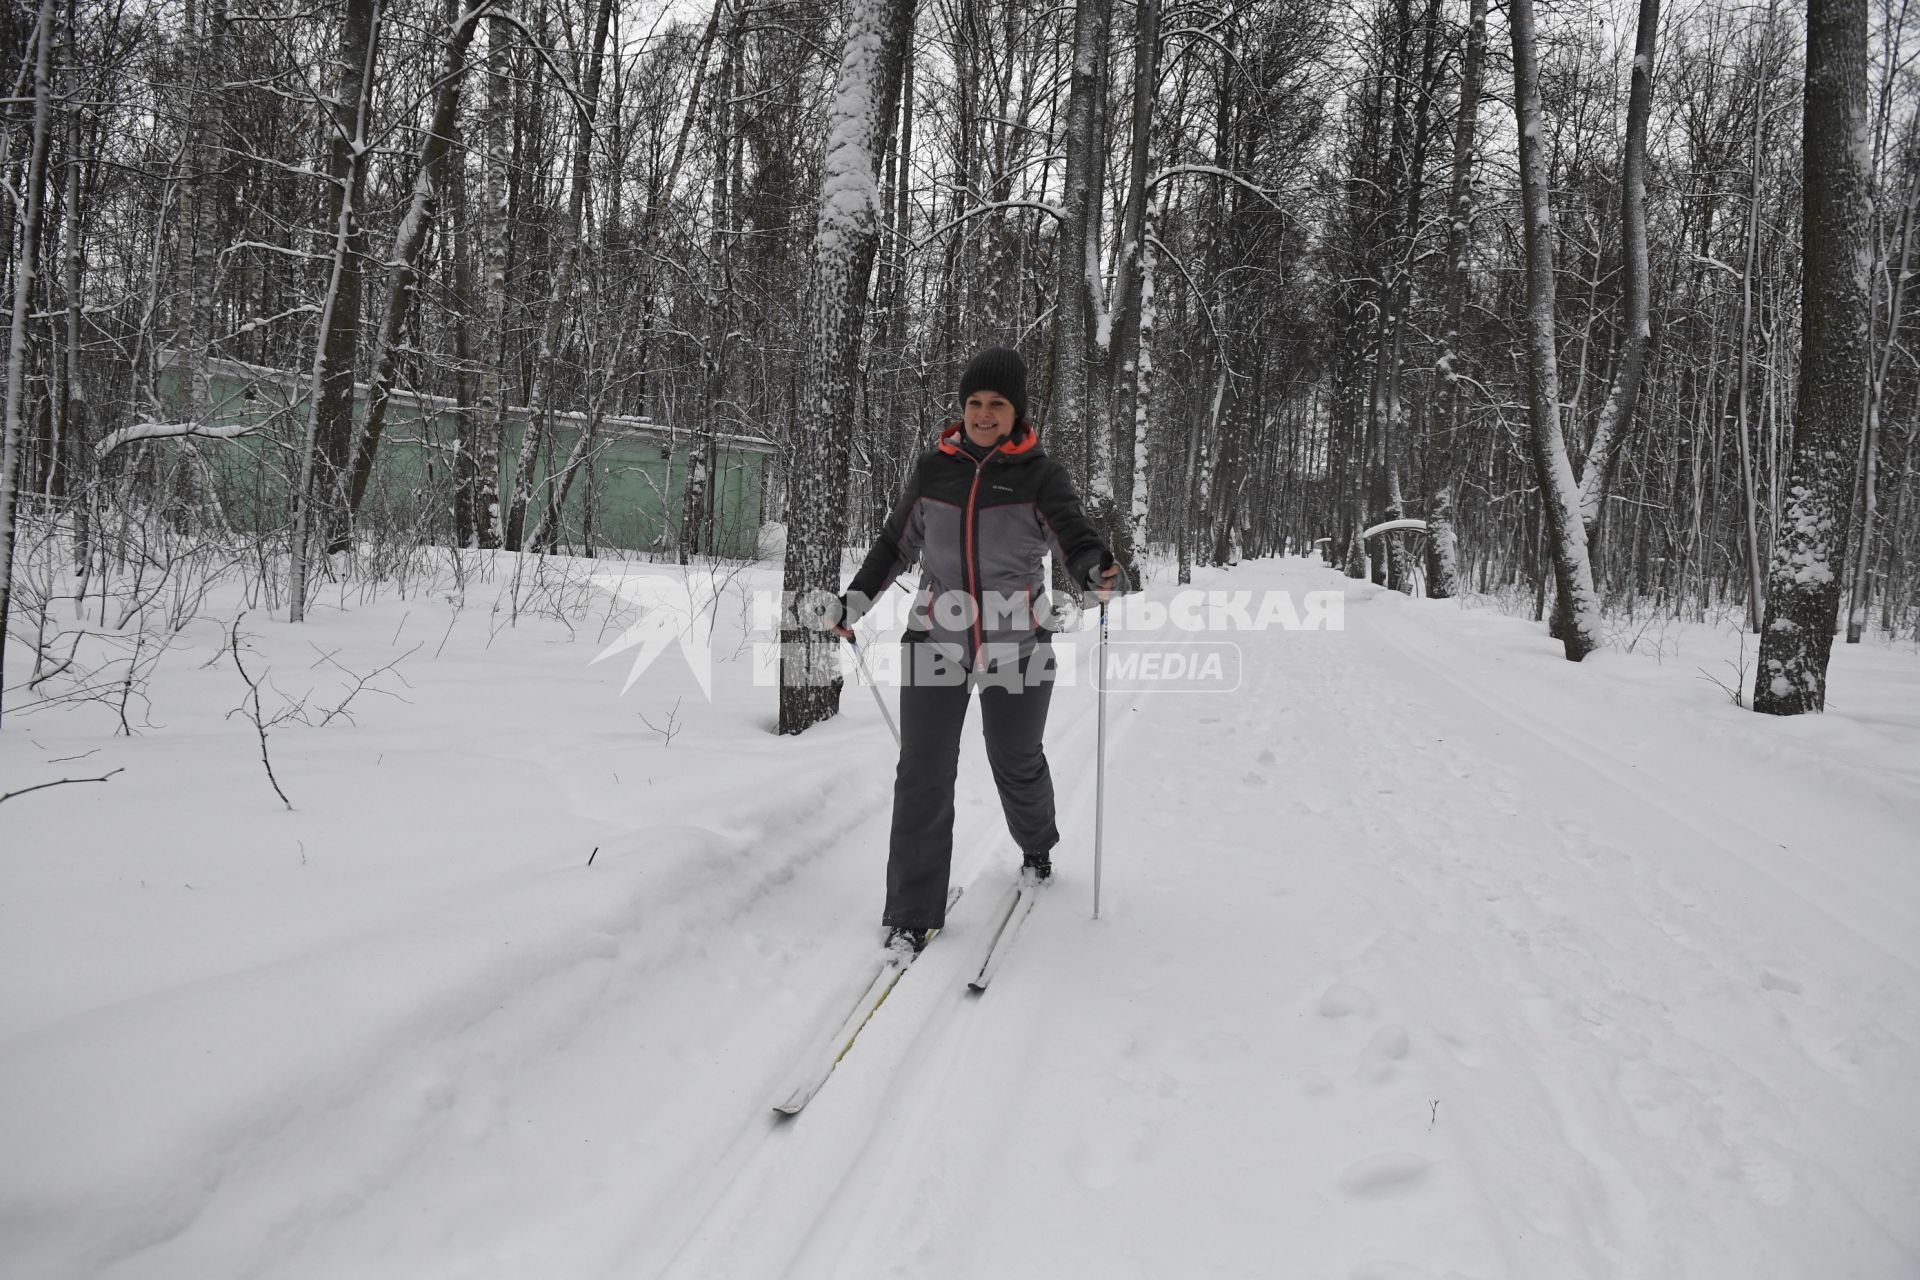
(1384, 1174)
(1100, 1162)
(1254, 779)
(1267, 756)
(1342, 1000)
(1462, 1049)
(1383, 1054)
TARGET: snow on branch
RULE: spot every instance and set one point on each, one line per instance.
(169, 431)
(1209, 170)
(994, 207)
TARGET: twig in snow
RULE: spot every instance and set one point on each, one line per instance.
(449, 631)
(260, 724)
(1737, 690)
(58, 782)
(672, 727)
(360, 682)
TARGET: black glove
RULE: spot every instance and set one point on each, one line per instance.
(852, 611)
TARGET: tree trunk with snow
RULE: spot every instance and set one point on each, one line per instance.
(1862, 592)
(1399, 291)
(495, 195)
(1080, 319)
(696, 499)
(847, 234)
(403, 259)
(1443, 566)
(199, 207)
(1125, 530)
(560, 301)
(1142, 394)
(1749, 488)
(466, 471)
(330, 385)
(349, 148)
(1810, 540)
(12, 434)
(67, 470)
(1559, 494)
(1616, 415)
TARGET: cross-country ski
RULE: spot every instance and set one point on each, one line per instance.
(818, 1063)
(1007, 921)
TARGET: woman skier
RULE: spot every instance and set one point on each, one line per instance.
(979, 510)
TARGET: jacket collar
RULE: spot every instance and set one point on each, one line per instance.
(1023, 439)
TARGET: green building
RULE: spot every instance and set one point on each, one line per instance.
(633, 486)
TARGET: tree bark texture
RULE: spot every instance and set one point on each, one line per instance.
(847, 234)
(1810, 539)
(1560, 496)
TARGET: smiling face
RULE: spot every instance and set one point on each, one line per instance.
(988, 417)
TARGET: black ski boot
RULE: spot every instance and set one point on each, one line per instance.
(1037, 868)
(908, 943)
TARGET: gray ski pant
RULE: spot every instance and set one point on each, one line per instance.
(933, 709)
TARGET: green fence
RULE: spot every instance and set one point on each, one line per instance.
(636, 479)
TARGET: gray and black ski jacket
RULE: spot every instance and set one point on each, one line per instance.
(980, 530)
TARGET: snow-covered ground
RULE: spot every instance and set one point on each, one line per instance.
(1423, 953)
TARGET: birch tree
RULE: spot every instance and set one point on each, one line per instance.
(1081, 325)
(1126, 530)
(205, 48)
(1573, 574)
(1443, 567)
(489, 532)
(1617, 414)
(865, 97)
(40, 50)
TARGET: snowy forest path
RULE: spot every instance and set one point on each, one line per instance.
(1423, 954)
(1409, 972)
(809, 1184)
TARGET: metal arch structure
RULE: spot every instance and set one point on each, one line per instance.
(1391, 526)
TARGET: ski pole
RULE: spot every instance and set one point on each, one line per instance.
(1100, 757)
(868, 677)
(1100, 743)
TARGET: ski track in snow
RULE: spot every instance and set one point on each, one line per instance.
(1420, 959)
(1571, 1069)
(813, 1182)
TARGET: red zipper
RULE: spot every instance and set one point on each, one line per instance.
(973, 569)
